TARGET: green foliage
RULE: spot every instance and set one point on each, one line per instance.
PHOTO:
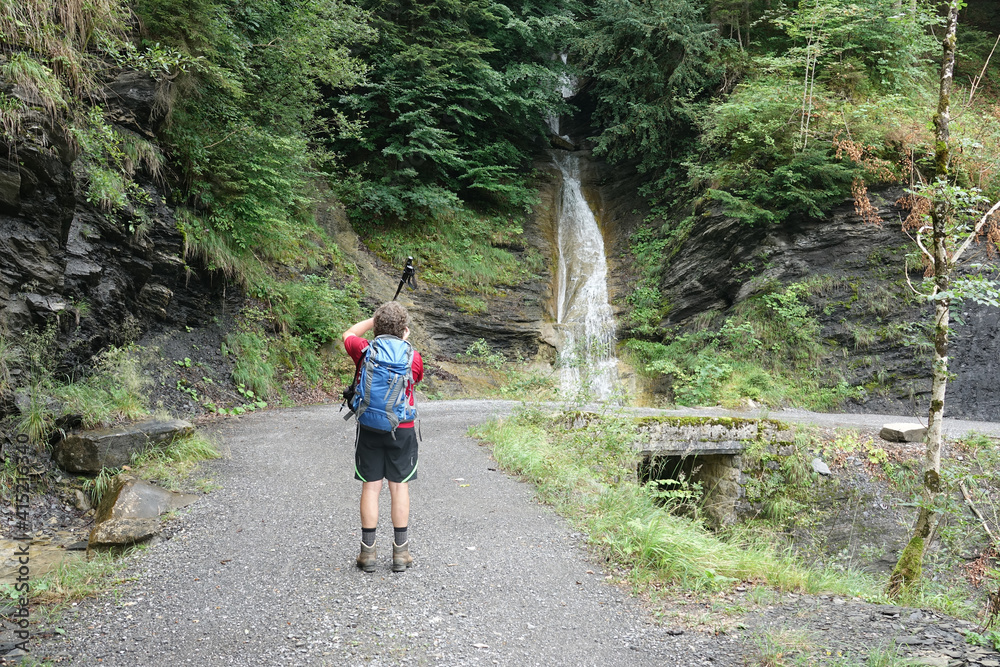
(648, 61)
(171, 465)
(587, 473)
(510, 378)
(38, 79)
(314, 310)
(100, 484)
(481, 353)
(253, 366)
(989, 639)
(454, 94)
(241, 125)
(758, 171)
(281, 329)
(73, 579)
(769, 142)
(59, 53)
(463, 250)
(38, 420)
(10, 357)
(862, 43)
(114, 391)
(110, 159)
(768, 351)
(646, 306)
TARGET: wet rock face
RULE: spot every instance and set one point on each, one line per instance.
(862, 305)
(64, 261)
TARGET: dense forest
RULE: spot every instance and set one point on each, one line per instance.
(422, 119)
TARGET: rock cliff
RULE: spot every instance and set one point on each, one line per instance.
(873, 326)
(63, 260)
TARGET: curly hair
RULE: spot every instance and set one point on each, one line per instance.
(391, 318)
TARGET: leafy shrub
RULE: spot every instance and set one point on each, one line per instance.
(315, 310)
(759, 171)
(768, 350)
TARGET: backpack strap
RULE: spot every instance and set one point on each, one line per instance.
(349, 392)
(370, 367)
(409, 380)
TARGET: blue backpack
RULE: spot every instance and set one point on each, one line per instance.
(384, 373)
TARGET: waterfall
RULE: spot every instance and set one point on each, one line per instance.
(584, 319)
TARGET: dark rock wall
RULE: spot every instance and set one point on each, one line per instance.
(862, 304)
(64, 261)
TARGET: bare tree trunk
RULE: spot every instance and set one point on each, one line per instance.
(907, 570)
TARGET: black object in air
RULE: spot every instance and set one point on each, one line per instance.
(409, 277)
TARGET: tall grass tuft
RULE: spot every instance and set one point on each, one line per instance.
(172, 465)
(37, 421)
(252, 365)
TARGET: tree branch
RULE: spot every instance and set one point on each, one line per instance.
(975, 232)
(920, 243)
(978, 79)
(975, 510)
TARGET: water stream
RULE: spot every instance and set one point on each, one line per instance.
(584, 319)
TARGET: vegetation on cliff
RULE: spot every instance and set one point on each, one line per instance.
(422, 119)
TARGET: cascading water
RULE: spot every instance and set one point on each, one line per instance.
(584, 319)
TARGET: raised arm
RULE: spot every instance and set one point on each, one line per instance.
(360, 328)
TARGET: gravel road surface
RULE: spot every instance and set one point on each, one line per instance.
(261, 571)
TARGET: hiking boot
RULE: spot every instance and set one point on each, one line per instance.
(366, 559)
(401, 558)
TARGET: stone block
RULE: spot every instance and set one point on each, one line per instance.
(155, 298)
(819, 466)
(903, 432)
(90, 451)
(130, 512)
(561, 142)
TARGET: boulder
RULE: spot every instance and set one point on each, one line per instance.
(903, 432)
(130, 512)
(91, 451)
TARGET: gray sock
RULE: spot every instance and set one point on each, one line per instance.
(399, 535)
(368, 536)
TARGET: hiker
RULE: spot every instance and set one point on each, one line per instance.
(389, 452)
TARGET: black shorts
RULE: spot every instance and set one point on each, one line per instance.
(378, 456)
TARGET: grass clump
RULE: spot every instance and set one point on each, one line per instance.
(500, 376)
(75, 579)
(587, 474)
(282, 332)
(113, 391)
(170, 466)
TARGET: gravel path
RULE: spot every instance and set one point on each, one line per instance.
(262, 571)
